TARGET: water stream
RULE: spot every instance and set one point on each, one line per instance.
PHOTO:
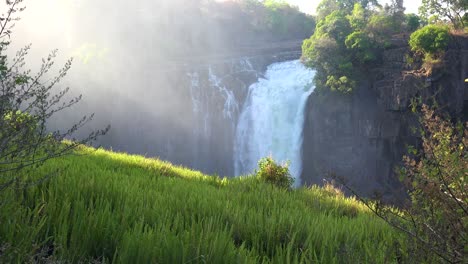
(272, 119)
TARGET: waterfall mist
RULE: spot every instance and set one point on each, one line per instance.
(170, 76)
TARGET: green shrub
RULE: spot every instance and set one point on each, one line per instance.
(343, 84)
(431, 39)
(271, 172)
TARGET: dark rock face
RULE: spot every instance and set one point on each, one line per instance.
(364, 136)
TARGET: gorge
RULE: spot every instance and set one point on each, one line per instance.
(233, 131)
(222, 114)
(242, 109)
(233, 111)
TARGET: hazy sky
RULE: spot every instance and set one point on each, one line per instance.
(309, 6)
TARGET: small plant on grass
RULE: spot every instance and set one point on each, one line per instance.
(277, 174)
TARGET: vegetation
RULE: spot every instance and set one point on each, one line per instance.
(435, 220)
(276, 174)
(413, 22)
(432, 40)
(285, 21)
(345, 43)
(438, 10)
(349, 40)
(181, 28)
(116, 207)
(27, 103)
(436, 179)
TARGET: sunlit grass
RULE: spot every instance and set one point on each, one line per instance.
(115, 207)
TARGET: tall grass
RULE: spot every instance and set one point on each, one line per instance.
(113, 207)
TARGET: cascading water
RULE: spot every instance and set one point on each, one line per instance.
(272, 119)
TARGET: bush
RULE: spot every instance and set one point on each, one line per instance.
(431, 39)
(271, 172)
(342, 84)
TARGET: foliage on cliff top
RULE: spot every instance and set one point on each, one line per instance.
(114, 207)
(431, 39)
(430, 42)
(454, 11)
(349, 40)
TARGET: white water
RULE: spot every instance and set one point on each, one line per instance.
(272, 119)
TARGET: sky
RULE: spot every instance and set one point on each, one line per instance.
(309, 6)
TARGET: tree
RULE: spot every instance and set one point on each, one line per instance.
(326, 7)
(358, 18)
(287, 21)
(362, 47)
(326, 52)
(412, 22)
(345, 44)
(27, 103)
(396, 11)
(396, 7)
(454, 10)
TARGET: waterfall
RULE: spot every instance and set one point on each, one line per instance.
(272, 118)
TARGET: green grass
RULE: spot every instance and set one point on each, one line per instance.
(114, 207)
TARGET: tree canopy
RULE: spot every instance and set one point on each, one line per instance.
(349, 39)
(453, 10)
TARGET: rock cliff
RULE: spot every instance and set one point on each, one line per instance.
(363, 137)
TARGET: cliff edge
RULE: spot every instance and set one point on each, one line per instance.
(362, 137)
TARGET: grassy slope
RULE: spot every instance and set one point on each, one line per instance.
(116, 207)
